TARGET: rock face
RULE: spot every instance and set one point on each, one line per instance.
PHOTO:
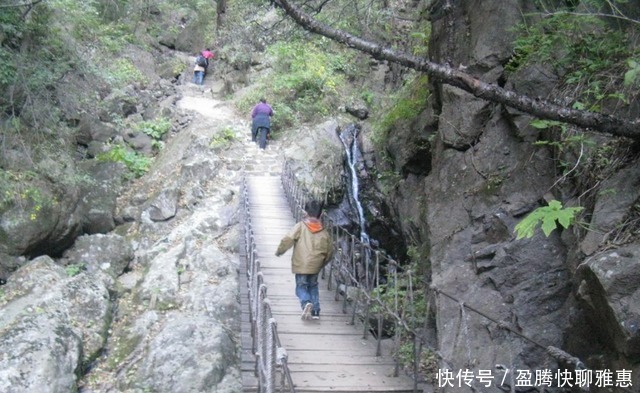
(609, 290)
(476, 189)
(149, 305)
(50, 326)
(479, 175)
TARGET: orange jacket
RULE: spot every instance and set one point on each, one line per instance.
(312, 246)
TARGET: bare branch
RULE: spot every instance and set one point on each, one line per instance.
(594, 14)
(29, 4)
(445, 74)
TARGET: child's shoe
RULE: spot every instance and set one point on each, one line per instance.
(315, 315)
(306, 313)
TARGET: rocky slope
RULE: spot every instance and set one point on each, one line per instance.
(152, 306)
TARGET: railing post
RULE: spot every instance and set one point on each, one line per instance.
(271, 352)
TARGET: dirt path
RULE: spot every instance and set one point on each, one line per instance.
(206, 100)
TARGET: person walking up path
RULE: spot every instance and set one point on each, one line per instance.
(260, 118)
(201, 66)
(312, 250)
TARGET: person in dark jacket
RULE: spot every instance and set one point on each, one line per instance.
(312, 250)
(260, 117)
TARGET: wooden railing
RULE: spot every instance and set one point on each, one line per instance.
(271, 357)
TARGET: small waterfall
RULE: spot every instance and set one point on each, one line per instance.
(349, 138)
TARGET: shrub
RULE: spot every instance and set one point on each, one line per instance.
(548, 218)
(154, 128)
(136, 163)
(223, 138)
(406, 105)
(74, 269)
(588, 53)
(306, 83)
(122, 72)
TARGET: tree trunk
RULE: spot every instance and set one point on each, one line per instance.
(221, 9)
(533, 106)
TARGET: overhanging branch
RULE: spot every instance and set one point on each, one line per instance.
(535, 107)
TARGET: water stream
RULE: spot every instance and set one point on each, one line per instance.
(349, 137)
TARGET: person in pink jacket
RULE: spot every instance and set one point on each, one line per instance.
(312, 250)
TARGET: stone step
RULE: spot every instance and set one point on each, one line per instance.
(259, 162)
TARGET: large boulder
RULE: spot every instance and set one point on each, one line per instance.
(51, 326)
(465, 117)
(99, 195)
(192, 353)
(92, 129)
(164, 205)
(46, 221)
(609, 289)
(109, 253)
(316, 155)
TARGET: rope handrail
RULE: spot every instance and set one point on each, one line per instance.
(271, 357)
(361, 267)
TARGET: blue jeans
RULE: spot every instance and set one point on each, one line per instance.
(198, 77)
(307, 290)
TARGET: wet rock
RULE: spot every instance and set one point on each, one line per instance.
(359, 113)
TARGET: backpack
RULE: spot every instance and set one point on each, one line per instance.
(201, 61)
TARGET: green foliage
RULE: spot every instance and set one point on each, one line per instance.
(406, 106)
(12, 26)
(306, 74)
(583, 161)
(136, 163)
(154, 128)
(586, 42)
(403, 296)
(568, 146)
(367, 97)
(405, 354)
(421, 39)
(632, 76)
(305, 70)
(7, 67)
(306, 82)
(584, 50)
(32, 59)
(114, 37)
(548, 217)
(21, 189)
(122, 72)
(88, 25)
(566, 141)
(388, 180)
(74, 269)
(223, 138)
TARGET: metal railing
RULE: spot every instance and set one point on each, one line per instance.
(271, 357)
(356, 275)
(381, 292)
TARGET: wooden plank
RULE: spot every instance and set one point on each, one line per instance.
(306, 358)
(319, 343)
(326, 355)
